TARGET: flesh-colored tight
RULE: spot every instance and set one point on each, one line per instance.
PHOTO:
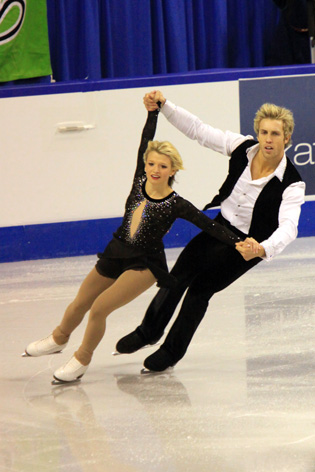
(101, 295)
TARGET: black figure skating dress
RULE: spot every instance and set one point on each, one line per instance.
(145, 249)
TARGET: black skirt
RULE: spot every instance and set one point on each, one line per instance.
(119, 256)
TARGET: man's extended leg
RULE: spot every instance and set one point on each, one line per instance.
(225, 266)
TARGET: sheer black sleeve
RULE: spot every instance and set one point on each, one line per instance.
(148, 133)
(189, 212)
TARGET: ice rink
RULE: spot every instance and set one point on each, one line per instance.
(241, 400)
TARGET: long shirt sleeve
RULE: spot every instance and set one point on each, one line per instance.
(207, 136)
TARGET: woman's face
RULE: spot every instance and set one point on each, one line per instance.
(158, 168)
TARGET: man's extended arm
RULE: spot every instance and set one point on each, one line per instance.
(193, 127)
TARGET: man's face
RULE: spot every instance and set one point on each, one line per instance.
(271, 139)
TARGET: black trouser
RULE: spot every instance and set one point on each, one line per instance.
(205, 267)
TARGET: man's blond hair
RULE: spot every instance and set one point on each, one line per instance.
(275, 112)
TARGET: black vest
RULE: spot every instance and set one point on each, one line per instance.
(266, 209)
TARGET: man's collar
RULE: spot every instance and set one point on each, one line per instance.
(279, 171)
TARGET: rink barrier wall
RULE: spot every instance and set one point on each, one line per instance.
(89, 236)
(82, 238)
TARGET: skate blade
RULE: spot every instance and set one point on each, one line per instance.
(61, 382)
(117, 353)
(146, 371)
(65, 382)
(25, 354)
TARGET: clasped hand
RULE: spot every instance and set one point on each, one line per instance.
(150, 100)
(250, 248)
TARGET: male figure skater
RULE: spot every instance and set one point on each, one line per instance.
(260, 201)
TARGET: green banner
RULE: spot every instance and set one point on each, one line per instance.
(24, 46)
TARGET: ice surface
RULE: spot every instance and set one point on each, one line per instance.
(241, 400)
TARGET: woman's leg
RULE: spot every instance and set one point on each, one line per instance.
(92, 286)
(126, 288)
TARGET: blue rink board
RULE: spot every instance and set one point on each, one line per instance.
(79, 238)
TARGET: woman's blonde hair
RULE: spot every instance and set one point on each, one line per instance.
(274, 112)
(167, 149)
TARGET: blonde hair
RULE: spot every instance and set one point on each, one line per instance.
(167, 149)
(275, 112)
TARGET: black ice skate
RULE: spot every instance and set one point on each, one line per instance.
(131, 343)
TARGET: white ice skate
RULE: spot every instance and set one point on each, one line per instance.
(71, 372)
(43, 347)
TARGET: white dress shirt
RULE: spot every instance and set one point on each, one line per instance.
(238, 207)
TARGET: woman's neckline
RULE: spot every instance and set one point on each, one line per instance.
(147, 196)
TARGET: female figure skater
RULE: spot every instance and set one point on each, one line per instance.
(134, 259)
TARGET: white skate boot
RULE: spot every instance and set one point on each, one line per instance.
(43, 347)
(72, 371)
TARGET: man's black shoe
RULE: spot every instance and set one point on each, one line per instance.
(158, 362)
(131, 343)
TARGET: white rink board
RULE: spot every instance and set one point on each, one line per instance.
(47, 176)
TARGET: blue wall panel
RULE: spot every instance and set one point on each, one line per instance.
(78, 238)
